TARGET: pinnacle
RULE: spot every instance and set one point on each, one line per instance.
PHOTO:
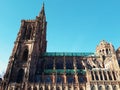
(42, 12)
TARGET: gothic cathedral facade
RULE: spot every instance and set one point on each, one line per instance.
(31, 67)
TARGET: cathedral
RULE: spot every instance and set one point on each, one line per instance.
(31, 67)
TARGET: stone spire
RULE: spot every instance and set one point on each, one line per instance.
(42, 12)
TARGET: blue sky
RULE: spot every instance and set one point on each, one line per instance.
(73, 25)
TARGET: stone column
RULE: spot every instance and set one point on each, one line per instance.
(76, 78)
(94, 75)
(64, 79)
(102, 75)
(107, 75)
(53, 78)
(98, 75)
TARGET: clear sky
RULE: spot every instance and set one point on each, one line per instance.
(73, 25)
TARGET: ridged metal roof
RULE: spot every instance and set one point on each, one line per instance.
(69, 54)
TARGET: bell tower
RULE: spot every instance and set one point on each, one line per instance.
(29, 46)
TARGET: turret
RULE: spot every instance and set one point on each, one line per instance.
(105, 49)
(107, 55)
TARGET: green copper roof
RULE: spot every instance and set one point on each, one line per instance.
(61, 71)
(69, 54)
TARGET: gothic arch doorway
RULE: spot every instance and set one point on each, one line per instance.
(20, 76)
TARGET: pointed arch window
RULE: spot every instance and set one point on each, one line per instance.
(69, 64)
(92, 75)
(109, 75)
(105, 76)
(82, 79)
(20, 76)
(48, 80)
(107, 51)
(70, 79)
(25, 55)
(59, 64)
(28, 34)
(103, 57)
(101, 77)
(96, 75)
(59, 79)
(114, 75)
(49, 64)
(24, 33)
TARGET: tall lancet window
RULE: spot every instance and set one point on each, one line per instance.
(28, 33)
(20, 76)
(25, 55)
